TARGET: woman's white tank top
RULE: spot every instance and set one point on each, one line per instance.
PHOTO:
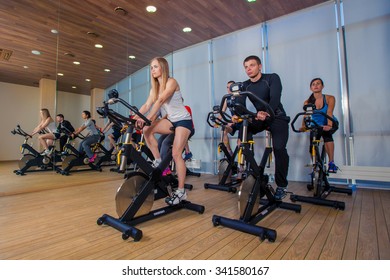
(175, 108)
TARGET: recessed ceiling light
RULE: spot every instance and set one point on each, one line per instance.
(54, 31)
(76, 62)
(131, 56)
(74, 87)
(87, 80)
(120, 10)
(251, 1)
(99, 46)
(35, 52)
(60, 74)
(92, 34)
(107, 70)
(187, 29)
(151, 9)
(25, 66)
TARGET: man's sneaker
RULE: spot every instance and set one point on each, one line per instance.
(45, 152)
(332, 168)
(280, 193)
(167, 171)
(92, 159)
(188, 156)
(176, 197)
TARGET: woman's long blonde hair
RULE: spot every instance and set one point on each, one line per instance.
(165, 75)
(45, 113)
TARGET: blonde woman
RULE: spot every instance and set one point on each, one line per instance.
(47, 125)
(165, 93)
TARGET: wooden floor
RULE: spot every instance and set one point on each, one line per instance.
(45, 215)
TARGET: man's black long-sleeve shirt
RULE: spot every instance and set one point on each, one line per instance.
(269, 89)
(65, 127)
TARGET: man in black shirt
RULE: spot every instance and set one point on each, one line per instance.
(65, 128)
(268, 87)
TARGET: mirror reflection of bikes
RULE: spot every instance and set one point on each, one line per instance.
(32, 160)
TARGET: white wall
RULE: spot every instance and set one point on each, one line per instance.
(20, 105)
(71, 106)
(367, 40)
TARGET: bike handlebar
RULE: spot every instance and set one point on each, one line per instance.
(310, 124)
(116, 117)
(20, 131)
(213, 119)
(241, 108)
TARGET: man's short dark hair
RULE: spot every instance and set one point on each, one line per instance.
(60, 115)
(231, 82)
(254, 57)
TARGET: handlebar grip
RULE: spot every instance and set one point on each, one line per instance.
(133, 109)
(294, 120)
(311, 123)
(252, 98)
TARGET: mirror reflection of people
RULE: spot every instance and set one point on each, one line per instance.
(48, 126)
(64, 128)
(92, 138)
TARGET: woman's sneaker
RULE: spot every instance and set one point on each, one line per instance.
(332, 168)
(167, 171)
(176, 197)
(92, 159)
(45, 153)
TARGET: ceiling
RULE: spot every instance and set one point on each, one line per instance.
(123, 28)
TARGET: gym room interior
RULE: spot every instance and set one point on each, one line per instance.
(71, 56)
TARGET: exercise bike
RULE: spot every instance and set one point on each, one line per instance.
(255, 186)
(189, 172)
(135, 197)
(73, 160)
(109, 157)
(139, 145)
(32, 158)
(319, 176)
(104, 157)
(227, 166)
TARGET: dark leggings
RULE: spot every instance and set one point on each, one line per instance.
(326, 135)
(165, 143)
(279, 130)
